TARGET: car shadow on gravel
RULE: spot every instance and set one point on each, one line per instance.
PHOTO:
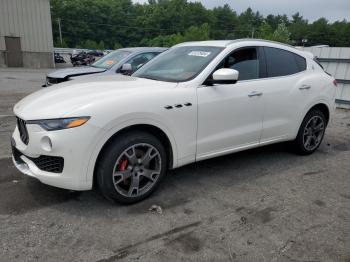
(179, 186)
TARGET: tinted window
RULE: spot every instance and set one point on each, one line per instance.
(245, 61)
(281, 62)
(301, 61)
(141, 59)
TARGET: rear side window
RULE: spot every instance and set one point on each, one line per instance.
(282, 63)
(301, 61)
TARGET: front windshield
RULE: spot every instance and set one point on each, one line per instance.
(179, 64)
(111, 59)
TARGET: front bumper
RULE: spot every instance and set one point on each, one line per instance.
(73, 145)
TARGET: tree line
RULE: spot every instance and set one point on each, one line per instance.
(111, 24)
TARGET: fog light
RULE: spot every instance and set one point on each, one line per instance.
(46, 143)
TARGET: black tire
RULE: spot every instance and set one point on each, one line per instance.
(299, 143)
(108, 163)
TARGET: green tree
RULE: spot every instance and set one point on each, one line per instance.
(299, 29)
(281, 34)
(320, 32)
(265, 31)
(225, 22)
(117, 45)
(191, 34)
(103, 23)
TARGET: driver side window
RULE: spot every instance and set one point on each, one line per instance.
(140, 60)
(245, 61)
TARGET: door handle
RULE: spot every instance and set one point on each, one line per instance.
(304, 87)
(255, 93)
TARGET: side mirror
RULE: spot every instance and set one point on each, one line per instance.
(126, 69)
(225, 76)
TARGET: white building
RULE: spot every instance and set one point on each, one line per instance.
(25, 34)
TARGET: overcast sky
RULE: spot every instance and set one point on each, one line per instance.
(311, 9)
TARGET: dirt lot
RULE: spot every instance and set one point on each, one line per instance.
(261, 205)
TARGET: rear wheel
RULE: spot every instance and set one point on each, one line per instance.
(311, 133)
(131, 167)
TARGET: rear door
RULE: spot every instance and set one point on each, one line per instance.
(287, 89)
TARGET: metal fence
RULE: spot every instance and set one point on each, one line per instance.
(68, 50)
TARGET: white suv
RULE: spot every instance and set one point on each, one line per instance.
(195, 101)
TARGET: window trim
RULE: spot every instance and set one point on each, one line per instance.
(260, 56)
(293, 53)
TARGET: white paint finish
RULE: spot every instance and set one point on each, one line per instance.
(228, 117)
(28, 19)
(221, 119)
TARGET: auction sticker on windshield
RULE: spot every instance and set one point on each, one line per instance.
(199, 53)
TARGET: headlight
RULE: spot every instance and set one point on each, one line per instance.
(60, 123)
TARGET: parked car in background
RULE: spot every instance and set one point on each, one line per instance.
(96, 53)
(58, 58)
(195, 101)
(106, 52)
(121, 61)
(81, 59)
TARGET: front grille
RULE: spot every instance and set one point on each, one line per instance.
(53, 164)
(23, 132)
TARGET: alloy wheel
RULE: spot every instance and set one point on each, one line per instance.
(313, 133)
(136, 170)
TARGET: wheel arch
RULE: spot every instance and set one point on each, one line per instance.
(152, 129)
(323, 107)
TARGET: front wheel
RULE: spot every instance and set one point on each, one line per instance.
(311, 133)
(131, 167)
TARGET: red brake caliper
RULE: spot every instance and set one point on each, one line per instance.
(123, 165)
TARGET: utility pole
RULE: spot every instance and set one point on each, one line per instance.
(59, 29)
(253, 29)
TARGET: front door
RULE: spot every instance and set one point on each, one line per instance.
(13, 51)
(230, 115)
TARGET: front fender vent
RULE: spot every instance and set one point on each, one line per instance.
(23, 132)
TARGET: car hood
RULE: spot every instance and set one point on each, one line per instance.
(67, 72)
(61, 99)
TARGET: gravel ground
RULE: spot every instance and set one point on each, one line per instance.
(265, 204)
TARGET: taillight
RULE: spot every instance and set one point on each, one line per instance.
(335, 82)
